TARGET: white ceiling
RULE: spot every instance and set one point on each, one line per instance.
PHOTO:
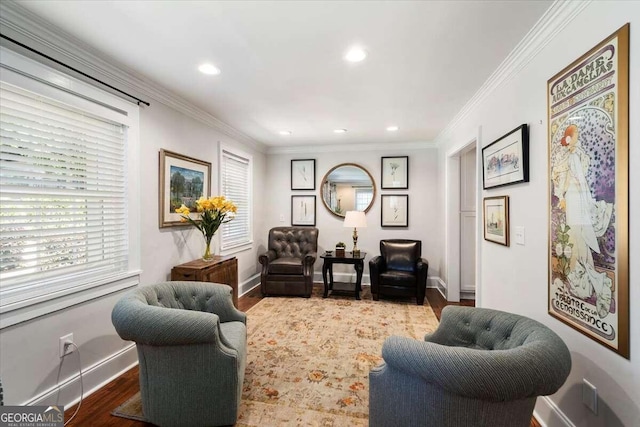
(282, 62)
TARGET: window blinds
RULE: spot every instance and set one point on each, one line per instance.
(236, 176)
(62, 196)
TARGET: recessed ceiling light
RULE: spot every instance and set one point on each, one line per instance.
(285, 132)
(339, 130)
(392, 128)
(209, 69)
(356, 54)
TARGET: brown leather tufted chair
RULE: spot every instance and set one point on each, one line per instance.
(287, 267)
(399, 270)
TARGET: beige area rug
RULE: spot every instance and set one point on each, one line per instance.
(309, 359)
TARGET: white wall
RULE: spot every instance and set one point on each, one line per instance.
(515, 278)
(423, 214)
(29, 350)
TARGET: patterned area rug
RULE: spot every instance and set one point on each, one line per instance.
(309, 359)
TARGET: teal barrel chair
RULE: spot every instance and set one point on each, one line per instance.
(192, 347)
(481, 368)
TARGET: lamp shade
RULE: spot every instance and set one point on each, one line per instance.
(355, 219)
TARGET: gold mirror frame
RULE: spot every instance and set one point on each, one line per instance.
(323, 188)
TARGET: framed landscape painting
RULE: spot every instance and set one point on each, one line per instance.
(506, 160)
(183, 180)
(496, 219)
(588, 124)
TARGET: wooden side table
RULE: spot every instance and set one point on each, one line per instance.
(221, 269)
(348, 258)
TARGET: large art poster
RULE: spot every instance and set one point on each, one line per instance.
(588, 193)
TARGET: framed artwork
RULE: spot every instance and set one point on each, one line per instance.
(588, 123)
(395, 210)
(303, 210)
(303, 174)
(183, 180)
(395, 173)
(506, 160)
(496, 219)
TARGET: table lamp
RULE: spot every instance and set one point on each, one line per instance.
(355, 219)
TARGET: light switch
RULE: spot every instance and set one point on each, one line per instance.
(281, 218)
(519, 235)
(590, 396)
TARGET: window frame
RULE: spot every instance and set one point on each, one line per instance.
(39, 78)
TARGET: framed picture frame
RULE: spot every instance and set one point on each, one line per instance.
(303, 174)
(395, 210)
(395, 173)
(303, 210)
(496, 219)
(506, 160)
(183, 180)
(588, 149)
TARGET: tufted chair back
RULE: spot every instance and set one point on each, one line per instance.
(287, 267)
(480, 367)
(293, 242)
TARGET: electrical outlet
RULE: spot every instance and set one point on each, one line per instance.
(590, 396)
(67, 339)
(281, 218)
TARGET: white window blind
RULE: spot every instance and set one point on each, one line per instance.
(236, 185)
(63, 196)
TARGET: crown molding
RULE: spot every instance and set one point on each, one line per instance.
(26, 27)
(344, 148)
(557, 17)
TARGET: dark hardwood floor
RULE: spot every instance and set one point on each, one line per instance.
(96, 409)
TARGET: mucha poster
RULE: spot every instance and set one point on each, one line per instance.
(589, 185)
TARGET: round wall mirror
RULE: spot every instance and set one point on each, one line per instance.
(347, 187)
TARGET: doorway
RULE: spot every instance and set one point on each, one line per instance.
(461, 222)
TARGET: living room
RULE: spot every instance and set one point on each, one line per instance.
(510, 278)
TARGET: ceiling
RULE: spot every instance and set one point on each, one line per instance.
(282, 62)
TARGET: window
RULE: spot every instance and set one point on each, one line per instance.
(363, 198)
(235, 182)
(65, 201)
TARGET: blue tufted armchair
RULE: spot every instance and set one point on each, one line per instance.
(481, 368)
(287, 267)
(192, 346)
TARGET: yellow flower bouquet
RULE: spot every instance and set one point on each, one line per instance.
(214, 212)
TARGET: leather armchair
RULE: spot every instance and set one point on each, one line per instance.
(399, 270)
(481, 368)
(287, 267)
(192, 349)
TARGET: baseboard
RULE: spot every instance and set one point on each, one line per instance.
(342, 277)
(248, 284)
(547, 410)
(94, 378)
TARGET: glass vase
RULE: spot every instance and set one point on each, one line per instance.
(208, 255)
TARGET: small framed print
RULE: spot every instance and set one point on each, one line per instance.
(183, 180)
(506, 160)
(496, 219)
(303, 174)
(395, 210)
(303, 210)
(395, 173)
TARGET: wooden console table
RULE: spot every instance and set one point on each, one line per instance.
(221, 269)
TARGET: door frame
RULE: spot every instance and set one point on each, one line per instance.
(452, 217)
